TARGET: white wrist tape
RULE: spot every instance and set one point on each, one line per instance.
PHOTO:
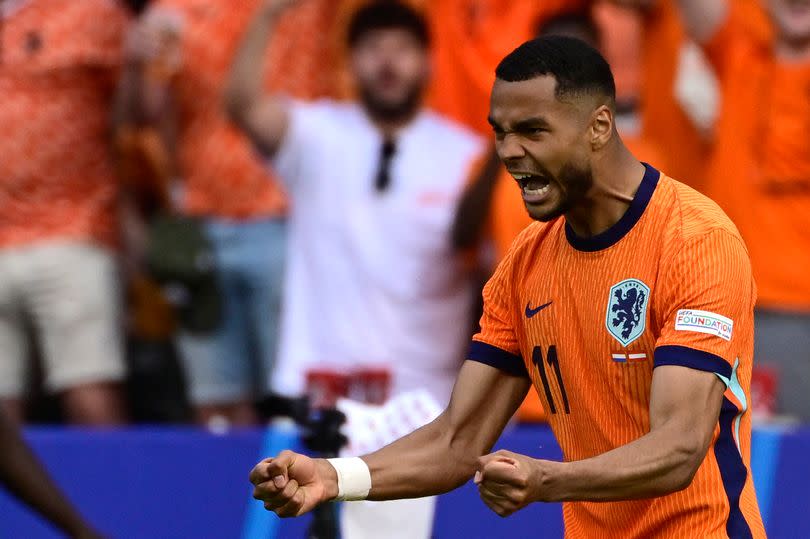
(354, 478)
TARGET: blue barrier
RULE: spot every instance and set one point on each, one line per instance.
(259, 523)
(184, 483)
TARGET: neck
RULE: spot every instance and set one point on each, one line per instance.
(617, 177)
(794, 51)
(389, 126)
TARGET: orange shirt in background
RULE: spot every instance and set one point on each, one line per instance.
(664, 120)
(760, 167)
(589, 319)
(59, 61)
(621, 30)
(470, 38)
(221, 173)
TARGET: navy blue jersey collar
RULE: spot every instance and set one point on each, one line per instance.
(612, 235)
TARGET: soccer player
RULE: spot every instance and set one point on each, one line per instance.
(629, 306)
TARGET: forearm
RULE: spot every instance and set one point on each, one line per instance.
(475, 205)
(424, 463)
(244, 87)
(656, 464)
(427, 462)
(141, 99)
(24, 476)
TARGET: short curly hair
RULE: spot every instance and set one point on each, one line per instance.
(578, 68)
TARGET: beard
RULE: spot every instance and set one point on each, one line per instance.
(573, 183)
(391, 111)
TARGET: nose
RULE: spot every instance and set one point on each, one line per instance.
(509, 148)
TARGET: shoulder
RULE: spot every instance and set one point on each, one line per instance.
(693, 215)
(449, 133)
(103, 8)
(327, 112)
(700, 240)
(90, 32)
(332, 107)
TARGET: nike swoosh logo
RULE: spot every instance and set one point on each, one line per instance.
(531, 312)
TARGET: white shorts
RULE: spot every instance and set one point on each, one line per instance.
(68, 294)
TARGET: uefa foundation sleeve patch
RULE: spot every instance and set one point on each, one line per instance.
(704, 322)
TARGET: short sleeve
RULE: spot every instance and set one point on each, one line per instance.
(306, 122)
(709, 296)
(496, 344)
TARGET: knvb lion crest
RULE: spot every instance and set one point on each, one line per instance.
(627, 310)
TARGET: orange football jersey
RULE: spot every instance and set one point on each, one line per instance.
(588, 319)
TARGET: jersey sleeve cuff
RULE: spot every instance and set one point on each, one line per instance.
(502, 360)
(691, 358)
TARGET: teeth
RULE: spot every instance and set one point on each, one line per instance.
(540, 191)
(519, 177)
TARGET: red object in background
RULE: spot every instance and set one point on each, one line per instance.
(370, 385)
(764, 385)
(325, 387)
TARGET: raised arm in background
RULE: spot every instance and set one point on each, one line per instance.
(152, 57)
(432, 460)
(23, 475)
(702, 18)
(474, 206)
(263, 117)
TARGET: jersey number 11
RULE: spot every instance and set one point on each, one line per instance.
(551, 359)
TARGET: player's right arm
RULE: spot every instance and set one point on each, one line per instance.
(263, 117)
(432, 460)
(25, 477)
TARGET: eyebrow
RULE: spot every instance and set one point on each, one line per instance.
(528, 123)
(537, 121)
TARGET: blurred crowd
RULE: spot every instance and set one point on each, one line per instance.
(206, 204)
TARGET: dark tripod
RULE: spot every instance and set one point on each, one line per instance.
(321, 436)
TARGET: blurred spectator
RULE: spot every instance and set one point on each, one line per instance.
(58, 274)
(759, 170)
(372, 276)
(678, 97)
(220, 181)
(493, 207)
(621, 33)
(472, 36)
(24, 476)
(664, 119)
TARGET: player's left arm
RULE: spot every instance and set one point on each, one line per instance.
(684, 409)
(709, 277)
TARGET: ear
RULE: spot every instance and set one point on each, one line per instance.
(602, 125)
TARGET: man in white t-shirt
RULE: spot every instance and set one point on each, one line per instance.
(372, 278)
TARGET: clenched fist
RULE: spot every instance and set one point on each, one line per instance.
(292, 484)
(508, 482)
